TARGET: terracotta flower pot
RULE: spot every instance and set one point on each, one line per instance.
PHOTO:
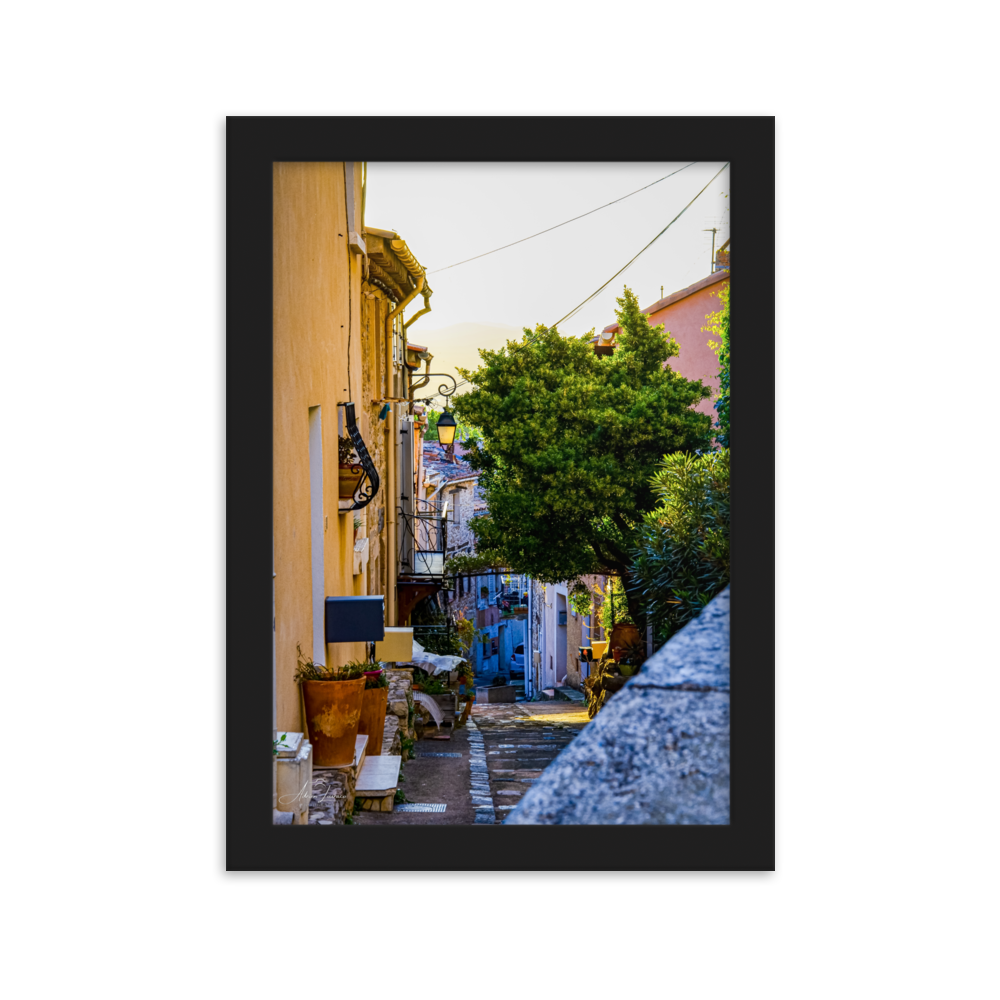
(372, 723)
(624, 635)
(333, 712)
(350, 478)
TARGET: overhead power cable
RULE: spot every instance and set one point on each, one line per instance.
(566, 223)
(572, 312)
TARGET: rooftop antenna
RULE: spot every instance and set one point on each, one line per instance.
(713, 232)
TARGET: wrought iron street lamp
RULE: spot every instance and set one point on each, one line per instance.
(446, 428)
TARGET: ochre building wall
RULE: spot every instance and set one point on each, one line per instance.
(317, 285)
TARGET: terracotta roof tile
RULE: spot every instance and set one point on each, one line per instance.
(440, 469)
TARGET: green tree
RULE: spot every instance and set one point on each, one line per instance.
(570, 443)
(681, 559)
(718, 324)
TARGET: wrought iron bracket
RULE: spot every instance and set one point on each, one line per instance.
(368, 487)
(443, 390)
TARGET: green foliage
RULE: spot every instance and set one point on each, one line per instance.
(614, 608)
(463, 431)
(465, 668)
(309, 671)
(581, 600)
(634, 655)
(280, 744)
(681, 560)
(718, 324)
(428, 684)
(570, 442)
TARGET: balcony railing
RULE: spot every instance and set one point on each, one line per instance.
(423, 540)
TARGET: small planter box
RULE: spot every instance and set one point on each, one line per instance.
(498, 694)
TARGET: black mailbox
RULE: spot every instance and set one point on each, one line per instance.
(355, 619)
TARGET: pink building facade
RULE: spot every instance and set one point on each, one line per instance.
(684, 314)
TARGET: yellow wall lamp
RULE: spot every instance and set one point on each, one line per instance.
(446, 427)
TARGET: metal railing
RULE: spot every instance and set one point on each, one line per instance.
(423, 541)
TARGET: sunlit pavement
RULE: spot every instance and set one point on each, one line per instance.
(515, 743)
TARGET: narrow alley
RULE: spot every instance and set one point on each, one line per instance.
(480, 774)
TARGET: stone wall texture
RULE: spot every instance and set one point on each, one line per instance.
(400, 702)
(658, 752)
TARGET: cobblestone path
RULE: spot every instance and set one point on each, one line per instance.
(510, 746)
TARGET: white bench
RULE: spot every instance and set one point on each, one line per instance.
(377, 783)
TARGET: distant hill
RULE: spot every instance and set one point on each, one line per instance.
(458, 346)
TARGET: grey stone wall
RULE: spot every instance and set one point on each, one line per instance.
(461, 496)
(400, 698)
(536, 621)
(658, 752)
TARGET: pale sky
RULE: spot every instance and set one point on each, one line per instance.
(447, 212)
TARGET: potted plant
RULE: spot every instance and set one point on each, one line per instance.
(357, 525)
(624, 634)
(427, 683)
(350, 472)
(470, 700)
(374, 702)
(331, 704)
(465, 674)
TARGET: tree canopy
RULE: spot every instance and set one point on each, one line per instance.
(571, 441)
(681, 559)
